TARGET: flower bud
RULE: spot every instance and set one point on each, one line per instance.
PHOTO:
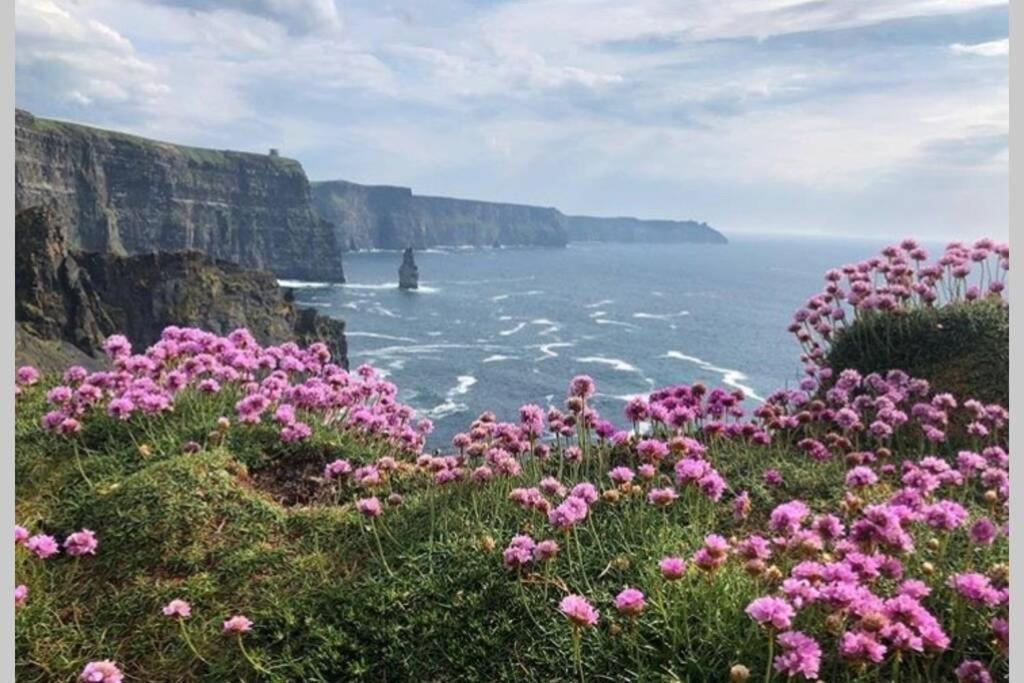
(738, 673)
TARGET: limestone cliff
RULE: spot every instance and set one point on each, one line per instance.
(626, 229)
(66, 298)
(387, 217)
(391, 217)
(129, 195)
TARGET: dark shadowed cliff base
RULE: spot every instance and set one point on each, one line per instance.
(68, 301)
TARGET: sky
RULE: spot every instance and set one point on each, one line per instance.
(846, 117)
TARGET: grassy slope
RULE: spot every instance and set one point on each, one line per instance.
(193, 526)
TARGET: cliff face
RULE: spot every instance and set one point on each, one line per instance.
(389, 217)
(386, 217)
(128, 195)
(78, 298)
(625, 229)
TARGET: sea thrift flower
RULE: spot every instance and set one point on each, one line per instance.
(545, 550)
(369, 507)
(519, 552)
(237, 624)
(621, 475)
(178, 608)
(81, 543)
(772, 478)
(568, 513)
(20, 534)
(714, 553)
(42, 546)
(861, 476)
(27, 375)
(104, 671)
(801, 655)
(672, 568)
(769, 611)
(630, 602)
(581, 386)
(662, 497)
(972, 671)
(861, 647)
(976, 588)
(983, 532)
(578, 611)
(20, 595)
(337, 469)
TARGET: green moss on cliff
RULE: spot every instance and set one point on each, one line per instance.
(961, 348)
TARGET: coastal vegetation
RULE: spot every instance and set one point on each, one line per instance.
(210, 508)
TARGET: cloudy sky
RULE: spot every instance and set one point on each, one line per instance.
(864, 117)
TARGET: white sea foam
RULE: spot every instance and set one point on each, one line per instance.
(617, 364)
(606, 321)
(383, 311)
(389, 352)
(598, 314)
(517, 328)
(302, 284)
(732, 378)
(546, 349)
(598, 304)
(374, 335)
(427, 289)
(497, 358)
(450, 406)
(502, 297)
(660, 316)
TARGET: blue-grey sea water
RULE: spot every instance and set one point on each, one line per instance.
(492, 329)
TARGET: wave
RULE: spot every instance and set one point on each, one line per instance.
(546, 349)
(502, 297)
(374, 335)
(606, 321)
(388, 352)
(598, 304)
(732, 378)
(617, 364)
(383, 311)
(450, 406)
(303, 284)
(427, 289)
(497, 358)
(660, 316)
(517, 328)
(598, 314)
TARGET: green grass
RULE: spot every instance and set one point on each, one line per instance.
(326, 608)
(960, 348)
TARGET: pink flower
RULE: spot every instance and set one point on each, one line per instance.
(104, 671)
(630, 602)
(42, 546)
(972, 671)
(237, 624)
(976, 588)
(545, 550)
(337, 469)
(81, 543)
(662, 497)
(983, 532)
(800, 656)
(861, 647)
(519, 552)
(20, 534)
(27, 375)
(672, 568)
(769, 611)
(20, 595)
(178, 608)
(578, 611)
(621, 475)
(369, 507)
(581, 386)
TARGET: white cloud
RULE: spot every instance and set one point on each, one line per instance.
(993, 48)
(298, 16)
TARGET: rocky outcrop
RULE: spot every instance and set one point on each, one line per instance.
(626, 229)
(387, 217)
(128, 195)
(74, 298)
(408, 272)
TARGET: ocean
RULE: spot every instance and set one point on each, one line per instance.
(492, 329)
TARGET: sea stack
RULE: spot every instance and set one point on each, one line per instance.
(408, 273)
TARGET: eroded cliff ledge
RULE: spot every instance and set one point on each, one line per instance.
(68, 301)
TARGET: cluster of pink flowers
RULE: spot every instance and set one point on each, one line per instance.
(291, 387)
(898, 279)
